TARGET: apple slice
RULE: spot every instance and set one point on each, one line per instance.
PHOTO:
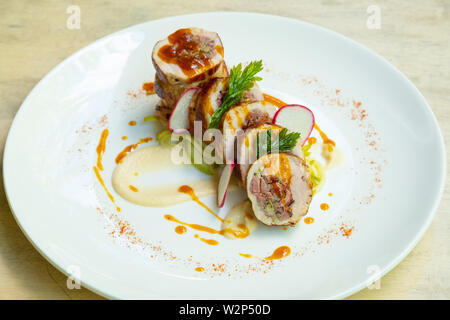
(297, 118)
(224, 181)
(179, 119)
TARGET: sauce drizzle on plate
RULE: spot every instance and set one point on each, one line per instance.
(237, 233)
(190, 192)
(279, 253)
(275, 101)
(130, 148)
(99, 167)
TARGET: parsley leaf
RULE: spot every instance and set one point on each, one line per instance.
(239, 82)
(284, 143)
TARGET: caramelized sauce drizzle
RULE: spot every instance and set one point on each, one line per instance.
(99, 167)
(309, 220)
(130, 148)
(180, 229)
(312, 140)
(132, 123)
(211, 242)
(285, 168)
(273, 100)
(219, 50)
(101, 148)
(149, 87)
(331, 144)
(190, 192)
(199, 269)
(185, 50)
(324, 206)
(133, 188)
(237, 233)
(279, 253)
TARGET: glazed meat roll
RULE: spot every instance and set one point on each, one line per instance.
(280, 189)
(185, 59)
(247, 146)
(209, 98)
(241, 117)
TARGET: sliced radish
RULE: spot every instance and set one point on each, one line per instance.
(179, 119)
(224, 181)
(295, 117)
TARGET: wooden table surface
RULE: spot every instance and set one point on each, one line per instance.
(413, 35)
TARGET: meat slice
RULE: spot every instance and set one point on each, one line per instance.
(186, 59)
(253, 95)
(209, 100)
(187, 56)
(241, 117)
(247, 145)
(279, 188)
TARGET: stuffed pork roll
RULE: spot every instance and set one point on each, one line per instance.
(185, 59)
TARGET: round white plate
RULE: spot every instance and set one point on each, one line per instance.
(384, 194)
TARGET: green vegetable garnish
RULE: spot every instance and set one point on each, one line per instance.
(164, 138)
(150, 118)
(285, 142)
(239, 82)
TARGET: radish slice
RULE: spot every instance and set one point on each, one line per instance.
(179, 119)
(224, 181)
(295, 117)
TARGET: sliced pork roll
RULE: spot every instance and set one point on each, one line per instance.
(185, 59)
(253, 95)
(188, 55)
(280, 189)
(247, 147)
(209, 100)
(211, 96)
(241, 117)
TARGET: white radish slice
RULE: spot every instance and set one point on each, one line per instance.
(224, 181)
(297, 118)
(179, 119)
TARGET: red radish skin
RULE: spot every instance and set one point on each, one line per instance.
(306, 130)
(224, 181)
(178, 121)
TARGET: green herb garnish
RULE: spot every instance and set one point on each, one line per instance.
(239, 82)
(285, 142)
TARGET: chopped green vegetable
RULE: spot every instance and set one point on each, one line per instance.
(150, 118)
(195, 151)
(193, 148)
(164, 138)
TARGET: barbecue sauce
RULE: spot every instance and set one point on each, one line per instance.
(188, 52)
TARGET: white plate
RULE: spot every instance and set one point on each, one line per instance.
(54, 194)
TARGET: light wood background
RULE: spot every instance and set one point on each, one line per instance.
(414, 36)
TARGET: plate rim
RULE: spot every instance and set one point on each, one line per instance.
(345, 293)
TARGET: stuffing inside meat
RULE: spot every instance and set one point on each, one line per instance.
(273, 195)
